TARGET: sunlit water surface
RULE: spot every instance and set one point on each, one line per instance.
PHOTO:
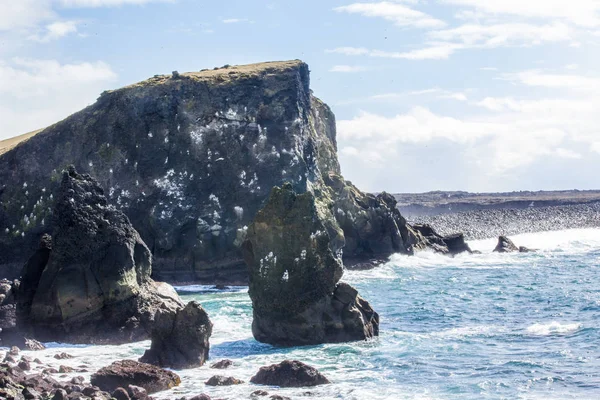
(489, 326)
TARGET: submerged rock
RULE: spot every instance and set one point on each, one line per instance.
(293, 252)
(223, 364)
(180, 340)
(128, 372)
(95, 286)
(220, 380)
(289, 374)
(190, 159)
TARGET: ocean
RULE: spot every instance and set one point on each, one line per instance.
(488, 326)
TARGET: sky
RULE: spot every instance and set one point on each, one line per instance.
(494, 95)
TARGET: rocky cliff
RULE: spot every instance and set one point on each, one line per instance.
(190, 158)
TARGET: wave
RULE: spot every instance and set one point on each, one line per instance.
(553, 328)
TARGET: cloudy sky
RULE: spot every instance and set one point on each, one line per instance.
(494, 95)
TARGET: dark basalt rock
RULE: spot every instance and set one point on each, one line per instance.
(95, 286)
(10, 334)
(128, 372)
(220, 380)
(451, 245)
(223, 364)
(190, 160)
(180, 340)
(505, 245)
(289, 374)
(293, 255)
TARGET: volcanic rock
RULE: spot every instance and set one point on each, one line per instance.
(289, 374)
(223, 364)
(220, 380)
(129, 372)
(96, 285)
(180, 340)
(451, 244)
(190, 159)
(505, 245)
(293, 252)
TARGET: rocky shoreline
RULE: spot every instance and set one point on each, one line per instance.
(488, 223)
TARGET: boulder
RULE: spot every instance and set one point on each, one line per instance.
(220, 380)
(451, 244)
(128, 372)
(180, 340)
(293, 252)
(95, 286)
(505, 245)
(289, 374)
(223, 364)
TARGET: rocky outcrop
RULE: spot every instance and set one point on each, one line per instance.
(505, 245)
(180, 340)
(220, 380)
(95, 284)
(289, 374)
(293, 252)
(451, 244)
(190, 159)
(128, 372)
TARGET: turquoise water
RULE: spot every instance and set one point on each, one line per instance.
(489, 326)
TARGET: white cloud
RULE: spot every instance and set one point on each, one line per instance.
(24, 13)
(496, 35)
(579, 12)
(234, 20)
(596, 147)
(56, 30)
(347, 68)
(541, 78)
(26, 86)
(433, 52)
(397, 13)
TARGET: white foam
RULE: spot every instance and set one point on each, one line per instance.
(553, 328)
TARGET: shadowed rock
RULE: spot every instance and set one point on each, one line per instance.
(452, 244)
(505, 245)
(289, 374)
(128, 372)
(294, 259)
(220, 380)
(96, 285)
(180, 340)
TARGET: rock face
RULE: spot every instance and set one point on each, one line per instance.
(289, 374)
(180, 340)
(451, 244)
(190, 159)
(293, 252)
(128, 372)
(95, 285)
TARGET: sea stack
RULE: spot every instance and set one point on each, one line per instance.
(95, 285)
(293, 252)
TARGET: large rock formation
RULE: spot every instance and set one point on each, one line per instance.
(293, 251)
(94, 285)
(190, 159)
(128, 372)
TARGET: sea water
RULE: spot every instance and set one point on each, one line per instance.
(488, 326)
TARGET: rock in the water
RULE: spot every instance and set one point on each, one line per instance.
(451, 245)
(120, 394)
(128, 372)
(190, 159)
(96, 285)
(289, 374)
(293, 254)
(220, 380)
(505, 245)
(180, 340)
(223, 364)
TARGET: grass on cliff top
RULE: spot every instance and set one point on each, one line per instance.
(8, 144)
(223, 74)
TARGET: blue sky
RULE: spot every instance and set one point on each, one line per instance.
(450, 94)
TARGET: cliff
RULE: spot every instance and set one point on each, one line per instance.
(190, 158)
